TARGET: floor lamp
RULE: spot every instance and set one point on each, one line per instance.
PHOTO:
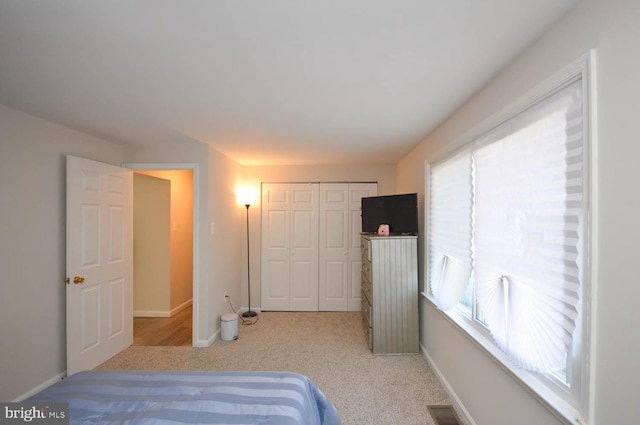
(248, 313)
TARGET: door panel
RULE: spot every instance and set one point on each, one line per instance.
(99, 252)
(116, 237)
(275, 252)
(275, 285)
(304, 252)
(278, 232)
(335, 272)
(274, 292)
(90, 330)
(90, 234)
(117, 290)
(289, 247)
(334, 226)
(303, 231)
(304, 292)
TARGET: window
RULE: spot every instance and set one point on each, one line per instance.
(507, 240)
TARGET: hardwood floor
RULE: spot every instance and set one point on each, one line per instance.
(164, 331)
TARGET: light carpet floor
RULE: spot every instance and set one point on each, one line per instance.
(330, 348)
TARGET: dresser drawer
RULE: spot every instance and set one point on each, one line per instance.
(366, 309)
(366, 269)
(365, 316)
(368, 334)
(367, 288)
(365, 248)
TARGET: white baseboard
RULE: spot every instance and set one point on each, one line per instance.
(182, 306)
(163, 313)
(59, 377)
(204, 343)
(457, 404)
(151, 313)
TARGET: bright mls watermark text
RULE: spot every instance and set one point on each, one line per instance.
(34, 413)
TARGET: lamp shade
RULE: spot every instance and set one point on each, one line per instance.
(247, 195)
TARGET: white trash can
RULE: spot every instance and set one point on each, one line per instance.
(229, 327)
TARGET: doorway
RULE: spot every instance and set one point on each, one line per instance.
(164, 253)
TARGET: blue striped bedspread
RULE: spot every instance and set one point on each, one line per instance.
(142, 398)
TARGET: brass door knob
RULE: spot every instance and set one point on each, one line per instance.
(76, 280)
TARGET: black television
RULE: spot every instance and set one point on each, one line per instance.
(400, 212)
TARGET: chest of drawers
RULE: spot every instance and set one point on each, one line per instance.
(390, 293)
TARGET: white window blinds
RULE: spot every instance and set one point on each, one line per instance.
(528, 207)
(450, 212)
(506, 214)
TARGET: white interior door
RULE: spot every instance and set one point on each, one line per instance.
(99, 262)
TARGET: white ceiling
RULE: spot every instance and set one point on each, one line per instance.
(263, 81)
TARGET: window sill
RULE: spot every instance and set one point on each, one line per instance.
(557, 405)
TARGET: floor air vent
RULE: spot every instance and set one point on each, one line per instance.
(444, 415)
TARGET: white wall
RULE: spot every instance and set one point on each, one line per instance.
(613, 28)
(32, 245)
(227, 265)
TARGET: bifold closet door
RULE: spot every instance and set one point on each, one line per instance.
(289, 247)
(340, 262)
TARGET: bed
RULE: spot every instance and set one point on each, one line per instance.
(141, 398)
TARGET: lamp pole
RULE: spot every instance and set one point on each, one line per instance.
(248, 313)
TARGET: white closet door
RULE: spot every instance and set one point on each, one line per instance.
(289, 247)
(340, 258)
(276, 206)
(357, 191)
(304, 247)
(334, 247)
(311, 246)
